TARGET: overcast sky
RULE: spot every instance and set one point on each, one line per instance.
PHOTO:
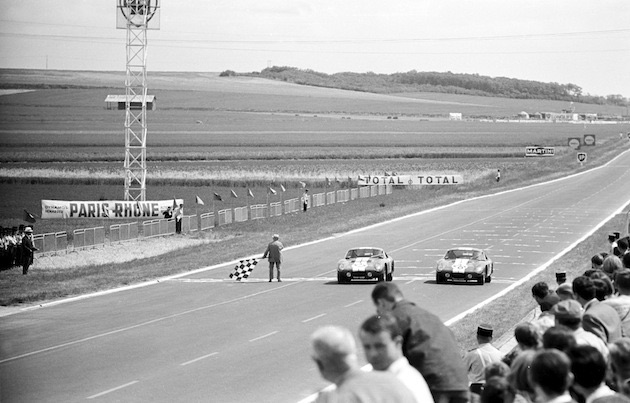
(584, 42)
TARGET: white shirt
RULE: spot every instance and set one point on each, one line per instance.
(478, 359)
(412, 379)
(602, 391)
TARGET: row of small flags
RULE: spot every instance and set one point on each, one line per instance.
(28, 217)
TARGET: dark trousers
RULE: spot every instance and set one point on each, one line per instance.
(28, 260)
(178, 226)
(271, 264)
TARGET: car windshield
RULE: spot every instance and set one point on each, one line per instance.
(462, 254)
(355, 253)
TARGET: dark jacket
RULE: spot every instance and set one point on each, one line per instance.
(431, 348)
(274, 252)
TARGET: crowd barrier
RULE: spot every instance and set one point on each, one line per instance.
(88, 238)
(258, 211)
(225, 216)
(123, 232)
(275, 209)
(240, 214)
(317, 200)
(206, 221)
(52, 242)
(56, 242)
(291, 206)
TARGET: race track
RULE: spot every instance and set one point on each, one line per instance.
(207, 338)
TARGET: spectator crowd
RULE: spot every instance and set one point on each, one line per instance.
(11, 247)
(576, 350)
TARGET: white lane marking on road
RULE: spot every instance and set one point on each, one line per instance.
(112, 390)
(313, 318)
(264, 335)
(149, 322)
(198, 359)
(249, 280)
(353, 303)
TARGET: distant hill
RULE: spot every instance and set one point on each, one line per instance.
(450, 83)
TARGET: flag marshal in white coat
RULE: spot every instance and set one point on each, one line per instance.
(409, 180)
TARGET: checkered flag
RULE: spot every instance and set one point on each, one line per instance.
(243, 268)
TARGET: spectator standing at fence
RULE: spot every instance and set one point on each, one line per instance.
(305, 200)
(168, 213)
(273, 254)
(179, 214)
(498, 177)
(28, 249)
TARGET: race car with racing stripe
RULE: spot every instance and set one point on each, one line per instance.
(464, 264)
(365, 263)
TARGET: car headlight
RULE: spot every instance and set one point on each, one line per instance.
(439, 267)
(343, 265)
(378, 266)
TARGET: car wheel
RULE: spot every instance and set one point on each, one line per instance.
(390, 275)
(438, 279)
(341, 278)
(482, 278)
(489, 276)
(380, 277)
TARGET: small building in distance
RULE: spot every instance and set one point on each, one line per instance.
(455, 116)
(118, 102)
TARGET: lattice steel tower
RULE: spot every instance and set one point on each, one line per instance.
(136, 16)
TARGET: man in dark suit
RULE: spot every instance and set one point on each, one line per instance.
(599, 318)
(274, 255)
(28, 249)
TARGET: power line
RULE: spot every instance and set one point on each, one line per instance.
(179, 44)
(340, 41)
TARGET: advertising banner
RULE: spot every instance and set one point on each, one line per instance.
(404, 180)
(539, 151)
(106, 209)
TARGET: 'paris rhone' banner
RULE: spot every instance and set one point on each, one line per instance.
(107, 209)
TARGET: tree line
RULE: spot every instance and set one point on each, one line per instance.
(451, 83)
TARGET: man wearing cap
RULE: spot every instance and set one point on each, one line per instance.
(569, 313)
(274, 255)
(478, 359)
(28, 249)
(621, 302)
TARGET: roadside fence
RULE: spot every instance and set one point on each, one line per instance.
(56, 242)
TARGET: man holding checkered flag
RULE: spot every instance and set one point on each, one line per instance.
(243, 269)
(274, 255)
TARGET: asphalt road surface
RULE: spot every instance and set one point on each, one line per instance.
(207, 338)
